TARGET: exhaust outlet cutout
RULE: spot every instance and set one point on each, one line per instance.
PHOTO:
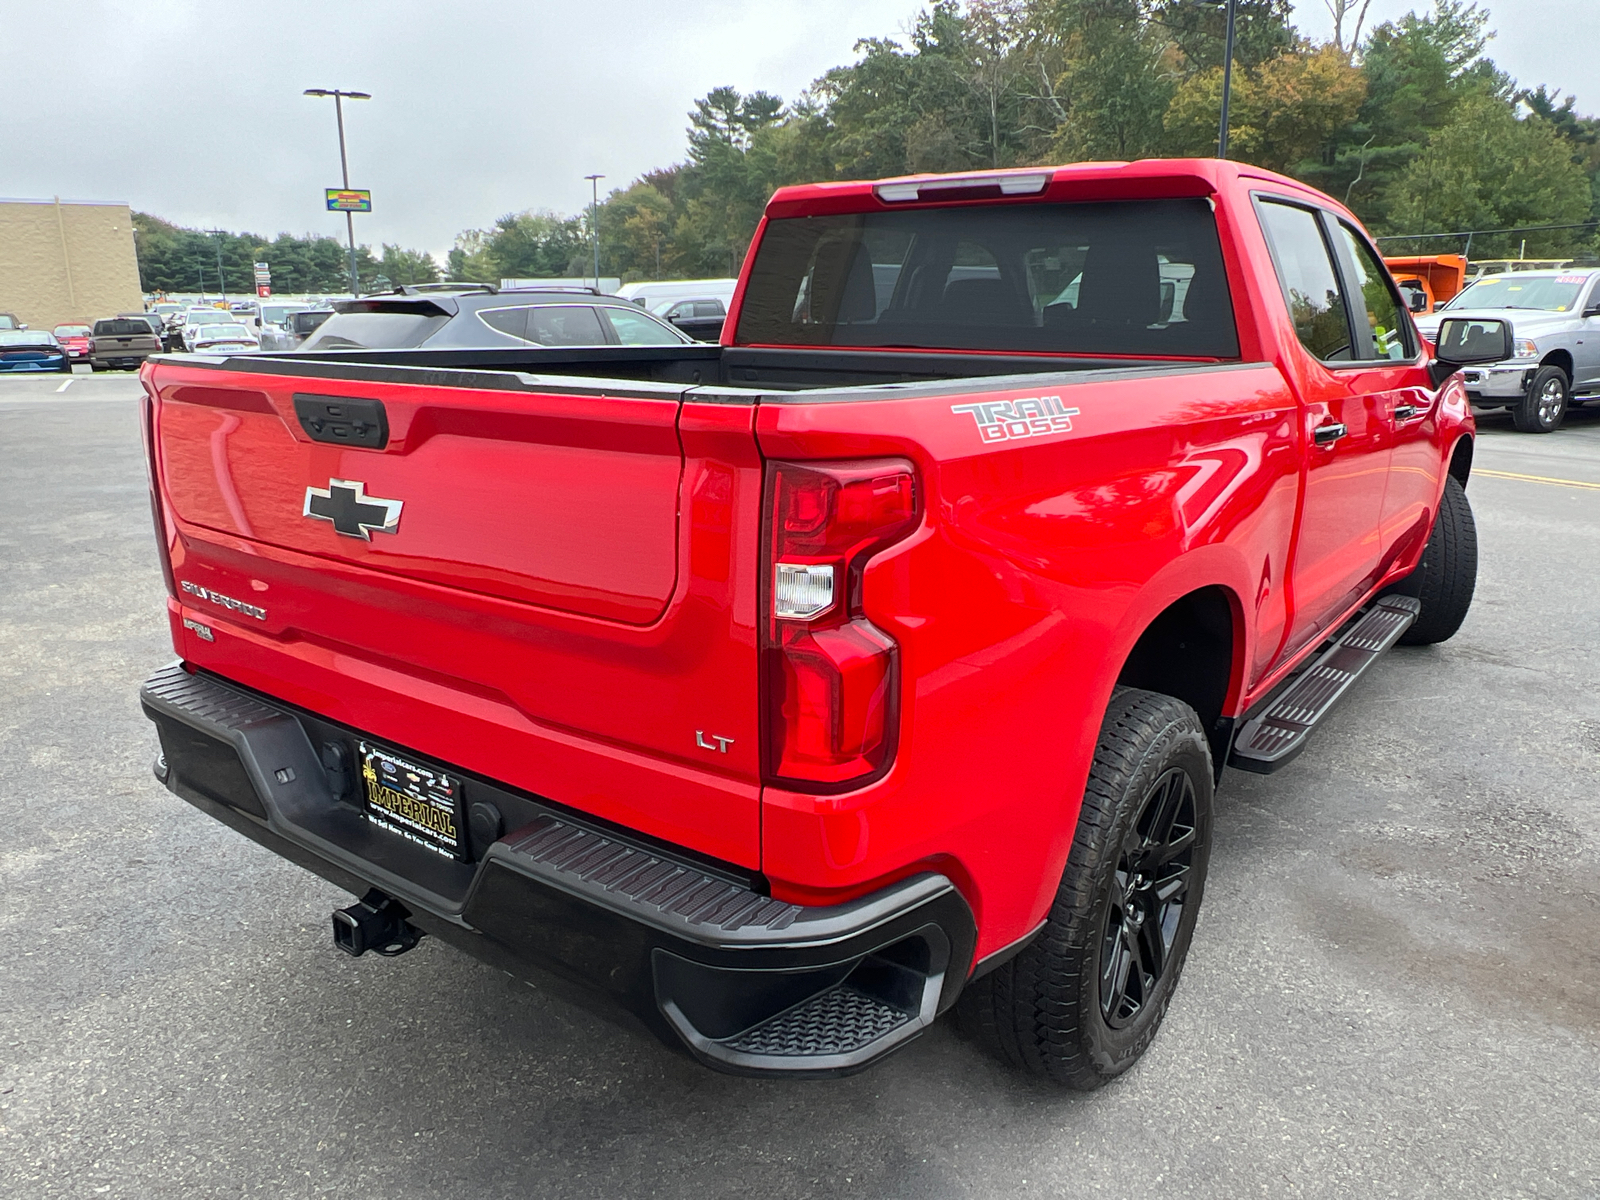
(378, 923)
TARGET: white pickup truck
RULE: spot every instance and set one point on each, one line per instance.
(1555, 320)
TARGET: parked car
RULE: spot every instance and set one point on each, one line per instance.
(483, 317)
(223, 338)
(198, 318)
(121, 343)
(701, 318)
(657, 295)
(32, 350)
(74, 340)
(1555, 359)
(792, 691)
(304, 322)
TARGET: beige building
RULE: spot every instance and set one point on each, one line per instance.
(67, 261)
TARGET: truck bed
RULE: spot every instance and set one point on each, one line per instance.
(728, 366)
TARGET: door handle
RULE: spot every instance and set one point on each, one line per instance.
(1404, 412)
(1327, 435)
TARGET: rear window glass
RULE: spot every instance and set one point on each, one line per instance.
(374, 331)
(120, 327)
(1137, 277)
(24, 337)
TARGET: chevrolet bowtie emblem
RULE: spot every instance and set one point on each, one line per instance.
(353, 512)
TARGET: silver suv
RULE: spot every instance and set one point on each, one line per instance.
(1555, 326)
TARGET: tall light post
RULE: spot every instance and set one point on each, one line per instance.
(339, 98)
(594, 223)
(222, 280)
(1227, 81)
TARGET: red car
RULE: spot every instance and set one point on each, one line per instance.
(75, 339)
(885, 657)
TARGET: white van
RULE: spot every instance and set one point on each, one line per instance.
(657, 296)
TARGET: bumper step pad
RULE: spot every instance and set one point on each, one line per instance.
(1275, 735)
(842, 1020)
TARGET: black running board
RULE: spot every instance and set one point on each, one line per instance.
(1270, 738)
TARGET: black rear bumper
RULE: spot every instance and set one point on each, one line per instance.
(695, 949)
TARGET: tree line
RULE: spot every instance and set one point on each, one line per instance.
(174, 259)
(1410, 123)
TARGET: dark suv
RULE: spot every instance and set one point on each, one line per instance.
(478, 316)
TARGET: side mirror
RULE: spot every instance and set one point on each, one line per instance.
(1468, 341)
(23, 325)
(1416, 301)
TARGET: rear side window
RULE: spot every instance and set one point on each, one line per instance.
(507, 320)
(375, 330)
(1136, 277)
(1310, 283)
(565, 325)
(709, 308)
(636, 329)
(1386, 315)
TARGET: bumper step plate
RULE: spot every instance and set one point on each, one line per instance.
(1271, 738)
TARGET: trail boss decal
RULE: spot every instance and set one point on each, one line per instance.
(1012, 420)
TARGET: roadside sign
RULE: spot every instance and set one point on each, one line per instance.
(263, 290)
(349, 200)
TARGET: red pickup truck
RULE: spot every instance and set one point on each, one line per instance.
(885, 656)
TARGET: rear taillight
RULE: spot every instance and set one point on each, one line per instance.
(830, 676)
(147, 426)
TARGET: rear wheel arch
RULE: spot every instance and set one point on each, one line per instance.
(1193, 650)
(1461, 460)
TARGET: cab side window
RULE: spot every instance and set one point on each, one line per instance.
(1310, 283)
(1385, 315)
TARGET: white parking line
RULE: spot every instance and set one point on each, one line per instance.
(66, 385)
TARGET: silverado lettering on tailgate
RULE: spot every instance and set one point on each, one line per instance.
(1012, 420)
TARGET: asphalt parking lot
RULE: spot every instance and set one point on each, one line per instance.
(1394, 989)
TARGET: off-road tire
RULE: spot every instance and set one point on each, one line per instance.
(1535, 413)
(1448, 573)
(1041, 1010)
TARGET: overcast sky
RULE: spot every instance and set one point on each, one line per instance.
(194, 111)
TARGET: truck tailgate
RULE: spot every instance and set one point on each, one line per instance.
(425, 562)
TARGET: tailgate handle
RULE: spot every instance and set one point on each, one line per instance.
(343, 421)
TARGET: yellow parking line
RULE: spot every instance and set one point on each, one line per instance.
(1577, 483)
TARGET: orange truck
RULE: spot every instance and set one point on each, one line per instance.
(1428, 280)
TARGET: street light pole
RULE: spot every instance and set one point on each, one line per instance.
(344, 168)
(222, 280)
(594, 223)
(1227, 82)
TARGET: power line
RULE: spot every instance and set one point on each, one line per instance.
(1404, 237)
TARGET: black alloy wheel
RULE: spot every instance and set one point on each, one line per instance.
(1081, 1002)
(1150, 890)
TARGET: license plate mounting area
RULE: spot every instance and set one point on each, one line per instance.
(415, 801)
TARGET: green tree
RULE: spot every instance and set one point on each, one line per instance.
(1486, 169)
(405, 267)
(1107, 74)
(1199, 31)
(1282, 113)
(1418, 71)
